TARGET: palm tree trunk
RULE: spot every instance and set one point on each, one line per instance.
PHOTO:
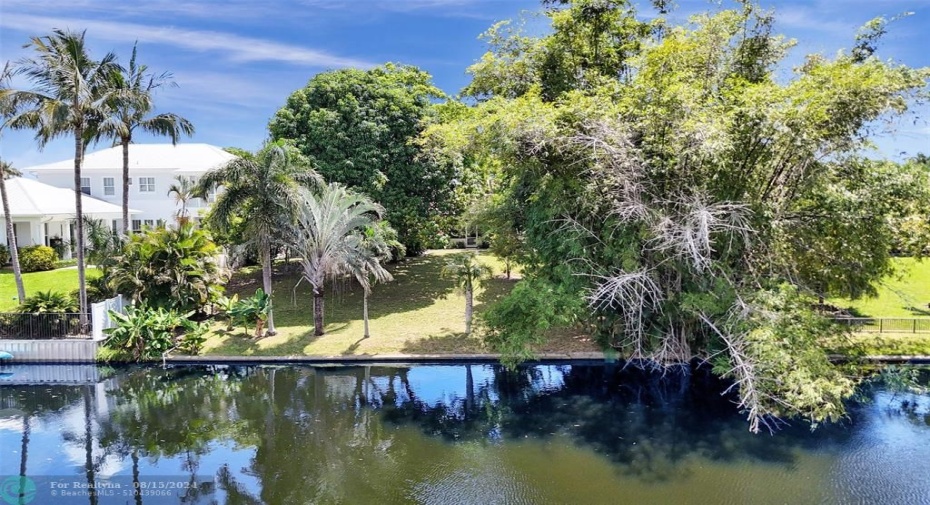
(266, 282)
(469, 308)
(136, 490)
(318, 311)
(79, 218)
(125, 142)
(365, 313)
(11, 241)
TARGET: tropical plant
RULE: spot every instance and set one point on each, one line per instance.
(251, 311)
(37, 258)
(174, 268)
(183, 189)
(223, 307)
(44, 302)
(467, 272)
(68, 97)
(356, 127)
(10, 253)
(127, 110)
(264, 190)
(378, 244)
(326, 236)
(147, 333)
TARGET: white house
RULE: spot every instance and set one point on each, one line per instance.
(152, 170)
(43, 214)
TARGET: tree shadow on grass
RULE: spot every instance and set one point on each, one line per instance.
(449, 342)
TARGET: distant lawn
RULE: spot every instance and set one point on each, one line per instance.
(905, 294)
(62, 279)
(419, 312)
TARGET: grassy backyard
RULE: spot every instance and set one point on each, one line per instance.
(419, 312)
(62, 279)
(905, 294)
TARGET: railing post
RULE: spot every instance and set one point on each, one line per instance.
(915, 325)
(881, 325)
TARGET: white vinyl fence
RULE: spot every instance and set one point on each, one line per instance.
(100, 315)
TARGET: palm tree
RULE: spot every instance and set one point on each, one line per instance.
(70, 91)
(183, 190)
(265, 189)
(7, 171)
(128, 111)
(466, 271)
(327, 236)
(376, 243)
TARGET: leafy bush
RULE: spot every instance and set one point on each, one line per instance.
(171, 268)
(252, 311)
(37, 258)
(145, 333)
(4, 254)
(44, 302)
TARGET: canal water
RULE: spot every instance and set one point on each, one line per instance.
(459, 434)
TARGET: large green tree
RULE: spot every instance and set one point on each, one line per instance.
(263, 192)
(129, 109)
(357, 127)
(68, 97)
(697, 204)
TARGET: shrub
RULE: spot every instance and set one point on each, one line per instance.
(145, 333)
(252, 311)
(49, 302)
(37, 258)
(4, 254)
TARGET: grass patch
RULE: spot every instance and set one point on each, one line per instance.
(904, 294)
(419, 312)
(884, 344)
(64, 280)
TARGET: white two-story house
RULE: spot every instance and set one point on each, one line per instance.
(153, 168)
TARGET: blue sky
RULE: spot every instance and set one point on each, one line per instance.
(235, 61)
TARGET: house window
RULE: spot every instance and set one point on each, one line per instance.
(109, 186)
(136, 225)
(85, 185)
(160, 223)
(149, 223)
(146, 184)
(115, 226)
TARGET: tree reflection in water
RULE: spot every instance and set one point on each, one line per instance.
(351, 434)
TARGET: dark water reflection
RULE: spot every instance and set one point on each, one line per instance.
(451, 434)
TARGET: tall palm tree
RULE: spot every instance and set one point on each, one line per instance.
(264, 189)
(183, 188)
(7, 171)
(69, 96)
(467, 272)
(327, 236)
(128, 111)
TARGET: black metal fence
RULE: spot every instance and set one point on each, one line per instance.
(887, 324)
(41, 326)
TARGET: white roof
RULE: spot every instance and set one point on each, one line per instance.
(182, 159)
(31, 198)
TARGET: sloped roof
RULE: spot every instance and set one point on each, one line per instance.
(180, 159)
(31, 198)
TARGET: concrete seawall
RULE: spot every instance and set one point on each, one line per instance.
(51, 351)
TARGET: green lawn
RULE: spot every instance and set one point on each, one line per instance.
(419, 312)
(63, 279)
(905, 294)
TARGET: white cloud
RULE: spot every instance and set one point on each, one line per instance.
(234, 47)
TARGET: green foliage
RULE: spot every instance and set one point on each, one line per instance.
(145, 333)
(49, 302)
(37, 258)
(670, 176)
(4, 255)
(173, 268)
(357, 128)
(251, 311)
(521, 319)
(466, 271)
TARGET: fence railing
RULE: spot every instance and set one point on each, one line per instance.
(887, 324)
(41, 326)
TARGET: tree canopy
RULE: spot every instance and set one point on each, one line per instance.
(357, 128)
(693, 199)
